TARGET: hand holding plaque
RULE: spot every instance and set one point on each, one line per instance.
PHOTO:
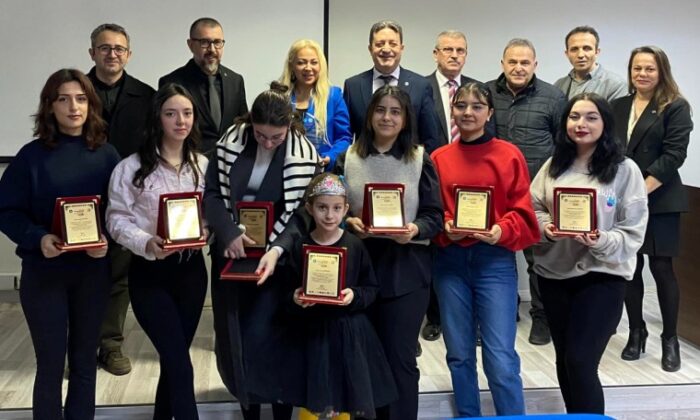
(76, 222)
(383, 211)
(574, 211)
(324, 274)
(256, 219)
(473, 209)
(180, 220)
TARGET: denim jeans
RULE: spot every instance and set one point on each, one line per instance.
(478, 285)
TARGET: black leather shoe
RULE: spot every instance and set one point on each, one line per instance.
(636, 344)
(431, 332)
(539, 333)
(419, 349)
(670, 354)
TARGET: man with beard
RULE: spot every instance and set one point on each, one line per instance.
(218, 92)
(125, 104)
(386, 47)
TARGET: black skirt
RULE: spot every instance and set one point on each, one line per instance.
(662, 238)
(346, 369)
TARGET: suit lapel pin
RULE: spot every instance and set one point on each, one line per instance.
(405, 83)
(653, 111)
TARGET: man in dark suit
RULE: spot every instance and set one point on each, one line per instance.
(218, 92)
(386, 47)
(450, 54)
(125, 106)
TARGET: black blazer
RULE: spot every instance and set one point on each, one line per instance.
(233, 101)
(127, 126)
(659, 145)
(357, 93)
(443, 130)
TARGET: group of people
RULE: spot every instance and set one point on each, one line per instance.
(309, 149)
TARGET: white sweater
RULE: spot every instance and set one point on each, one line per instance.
(622, 215)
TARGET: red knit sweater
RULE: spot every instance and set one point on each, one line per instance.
(498, 164)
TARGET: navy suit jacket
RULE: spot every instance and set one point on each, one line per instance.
(443, 130)
(358, 94)
(233, 101)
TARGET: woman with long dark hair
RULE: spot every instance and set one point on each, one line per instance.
(63, 294)
(387, 152)
(654, 122)
(166, 288)
(583, 277)
(264, 156)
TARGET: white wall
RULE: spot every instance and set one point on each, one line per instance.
(623, 25)
(41, 36)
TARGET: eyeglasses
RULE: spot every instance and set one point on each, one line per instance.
(205, 43)
(452, 51)
(107, 49)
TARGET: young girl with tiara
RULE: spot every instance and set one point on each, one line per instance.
(346, 369)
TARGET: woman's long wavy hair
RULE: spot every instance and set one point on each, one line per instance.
(45, 124)
(321, 90)
(608, 154)
(148, 151)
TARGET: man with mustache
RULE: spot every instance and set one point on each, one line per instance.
(527, 112)
(587, 75)
(125, 104)
(386, 47)
(218, 92)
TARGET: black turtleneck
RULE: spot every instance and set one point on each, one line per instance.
(486, 137)
(38, 175)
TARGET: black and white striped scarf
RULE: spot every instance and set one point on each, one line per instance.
(300, 164)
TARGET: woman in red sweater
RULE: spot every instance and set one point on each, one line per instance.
(474, 274)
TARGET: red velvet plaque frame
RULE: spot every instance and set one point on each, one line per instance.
(60, 226)
(368, 216)
(332, 296)
(244, 269)
(165, 229)
(484, 192)
(562, 193)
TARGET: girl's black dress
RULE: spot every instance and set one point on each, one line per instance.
(344, 362)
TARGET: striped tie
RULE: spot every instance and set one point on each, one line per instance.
(454, 130)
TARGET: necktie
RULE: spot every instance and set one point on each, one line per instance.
(214, 102)
(454, 130)
(386, 79)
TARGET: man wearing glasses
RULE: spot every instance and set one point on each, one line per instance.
(450, 54)
(218, 92)
(125, 105)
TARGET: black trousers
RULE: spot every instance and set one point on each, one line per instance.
(583, 313)
(167, 298)
(433, 312)
(112, 328)
(63, 305)
(397, 321)
(536, 304)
